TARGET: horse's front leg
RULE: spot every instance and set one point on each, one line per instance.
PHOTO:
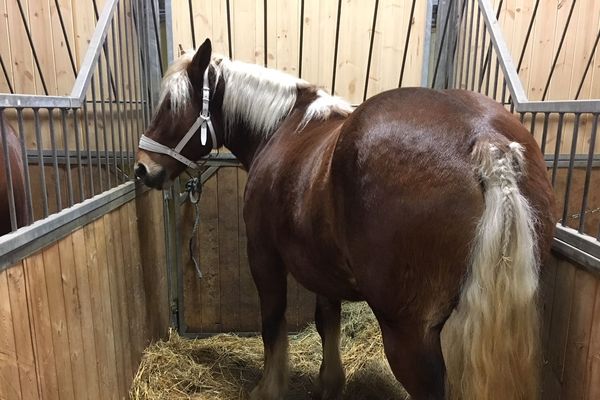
(270, 278)
(331, 374)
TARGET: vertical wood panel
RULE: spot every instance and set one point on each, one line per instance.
(5, 50)
(89, 318)
(209, 259)
(593, 368)
(22, 331)
(104, 229)
(73, 317)
(58, 320)
(228, 247)
(103, 294)
(575, 368)
(42, 327)
(9, 372)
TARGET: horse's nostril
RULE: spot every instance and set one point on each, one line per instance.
(140, 170)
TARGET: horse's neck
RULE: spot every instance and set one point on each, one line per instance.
(246, 145)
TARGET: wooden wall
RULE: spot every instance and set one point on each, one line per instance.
(75, 317)
(225, 300)
(571, 332)
(283, 39)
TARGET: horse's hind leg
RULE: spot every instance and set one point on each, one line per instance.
(271, 281)
(416, 359)
(331, 375)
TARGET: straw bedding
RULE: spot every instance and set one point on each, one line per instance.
(227, 366)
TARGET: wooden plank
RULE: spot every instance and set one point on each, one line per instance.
(146, 222)
(353, 49)
(319, 41)
(576, 358)
(63, 69)
(5, 50)
(123, 281)
(59, 328)
(105, 228)
(35, 278)
(209, 258)
(21, 55)
(73, 316)
(593, 360)
(247, 29)
(561, 315)
(40, 27)
(249, 320)
(22, 331)
(283, 33)
(87, 315)
(101, 309)
(9, 372)
(229, 266)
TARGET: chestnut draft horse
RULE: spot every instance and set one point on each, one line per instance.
(420, 202)
(15, 163)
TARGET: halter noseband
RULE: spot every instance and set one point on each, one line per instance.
(203, 122)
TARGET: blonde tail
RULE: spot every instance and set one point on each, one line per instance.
(492, 339)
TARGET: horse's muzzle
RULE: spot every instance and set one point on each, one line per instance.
(154, 179)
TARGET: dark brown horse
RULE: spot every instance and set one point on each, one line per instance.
(423, 203)
(15, 163)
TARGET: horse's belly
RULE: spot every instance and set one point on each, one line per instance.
(321, 271)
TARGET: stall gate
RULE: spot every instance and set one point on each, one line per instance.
(82, 279)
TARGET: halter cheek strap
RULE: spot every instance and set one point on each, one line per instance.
(203, 122)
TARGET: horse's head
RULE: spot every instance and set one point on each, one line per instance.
(187, 123)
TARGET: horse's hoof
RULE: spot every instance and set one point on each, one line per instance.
(331, 386)
(259, 393)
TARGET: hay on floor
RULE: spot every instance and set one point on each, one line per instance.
(227, 366)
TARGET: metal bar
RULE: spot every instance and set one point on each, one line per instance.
(117, 98)
(470, 41)
(510, 73)
(192, 26)
(582, 258)
(62, 156)
(97, 142)
(565, 214)
(157, 36)
(12, 210)
(111, 119)
(33, 51)
(54, 159)
(486, 66)
(169, 30)
(496, 77)
(587, 67)
(36, 101)
(66, 37)
(5, 71)
(88, 147)
(122, 70)
(92, 54)
(370, 56)
(265, 33)
(230, 44)
(439, 55)
(532, 125)
(38, 137)
(463, 38)
(545, 132)
(426, 43)
(476, 46)
(559, 130)
(560, 44)
(455, 46)
(30, 239)
(301, 45)
(25, 164)
(588, 174)
(337, 42)
(78, 150)
(140, 112)
(104, 126)
(407, 42)
(63, 115)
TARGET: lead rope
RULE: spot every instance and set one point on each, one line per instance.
(194, 189)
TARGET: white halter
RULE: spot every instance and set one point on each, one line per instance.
(203, 122)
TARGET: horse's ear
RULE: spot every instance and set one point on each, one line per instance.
(200, 61)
